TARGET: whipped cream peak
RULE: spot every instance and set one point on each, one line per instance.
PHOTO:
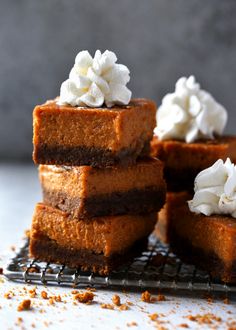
(96, 80)
(215, 190)
(190, 113)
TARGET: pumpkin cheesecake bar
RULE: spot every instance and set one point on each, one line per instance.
(183, 161)
(97, 244)
(69, 135)
(209, 242)
(85, 191)
(189, 134)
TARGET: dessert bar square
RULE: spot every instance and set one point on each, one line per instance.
(183, 161)
(67, 135)
(99, 244)
(87, 192)
(205, 241)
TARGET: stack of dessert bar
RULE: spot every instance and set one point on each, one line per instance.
(101, 190)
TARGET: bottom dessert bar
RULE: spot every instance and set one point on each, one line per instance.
(98, 244)
(209, 242)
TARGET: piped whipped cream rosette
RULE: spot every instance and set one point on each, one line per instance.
(190, 113)
(95, 81)
(215, 190)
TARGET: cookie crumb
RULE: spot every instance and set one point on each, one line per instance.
(91, 289)
(132, 324)
(84, 297)
(19, 321)
(116, 300)
(153, 316)
(44, 295)
(183, 325)
(208, 318)
(57, 298)
(146, 297)
(107, 306)
(51, 301)
(123, 307)
(74, 291)
(32, 293)
(8, 295)
(161, 297)
(24, 305)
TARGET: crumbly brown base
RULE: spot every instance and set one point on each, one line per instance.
(93, 156)
(48, 250)
(206, 261)
(134, 201)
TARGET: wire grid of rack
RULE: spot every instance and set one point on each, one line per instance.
(156, 268)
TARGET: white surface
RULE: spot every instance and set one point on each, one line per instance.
(19, 191)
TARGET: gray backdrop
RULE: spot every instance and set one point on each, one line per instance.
(159, 40)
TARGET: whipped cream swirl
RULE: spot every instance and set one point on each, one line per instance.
(215, 190)
(190, 113)
(95, 81)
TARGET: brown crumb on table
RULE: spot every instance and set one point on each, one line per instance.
(57, 298)
(24, 305)
(183, 325)
(146, 297)
(84, 297)
(51, 301)
(132, 324)
(153, 316)
(19, 321)
(91, 289)
(116, 300)
(123, 307)
(74, 291)
(107, 306)
(208, 318)
(44, 295)
(161, 297)
(32, 293)
(8, 295)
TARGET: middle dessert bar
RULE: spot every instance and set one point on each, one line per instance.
(97, 244)
(89, 192)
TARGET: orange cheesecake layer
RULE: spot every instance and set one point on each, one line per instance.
(103, 235)
(92, 136)
(85, 191)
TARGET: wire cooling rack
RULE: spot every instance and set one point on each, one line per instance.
(156, 268)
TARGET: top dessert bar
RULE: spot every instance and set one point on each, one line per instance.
(183, 161)
(67, 135)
